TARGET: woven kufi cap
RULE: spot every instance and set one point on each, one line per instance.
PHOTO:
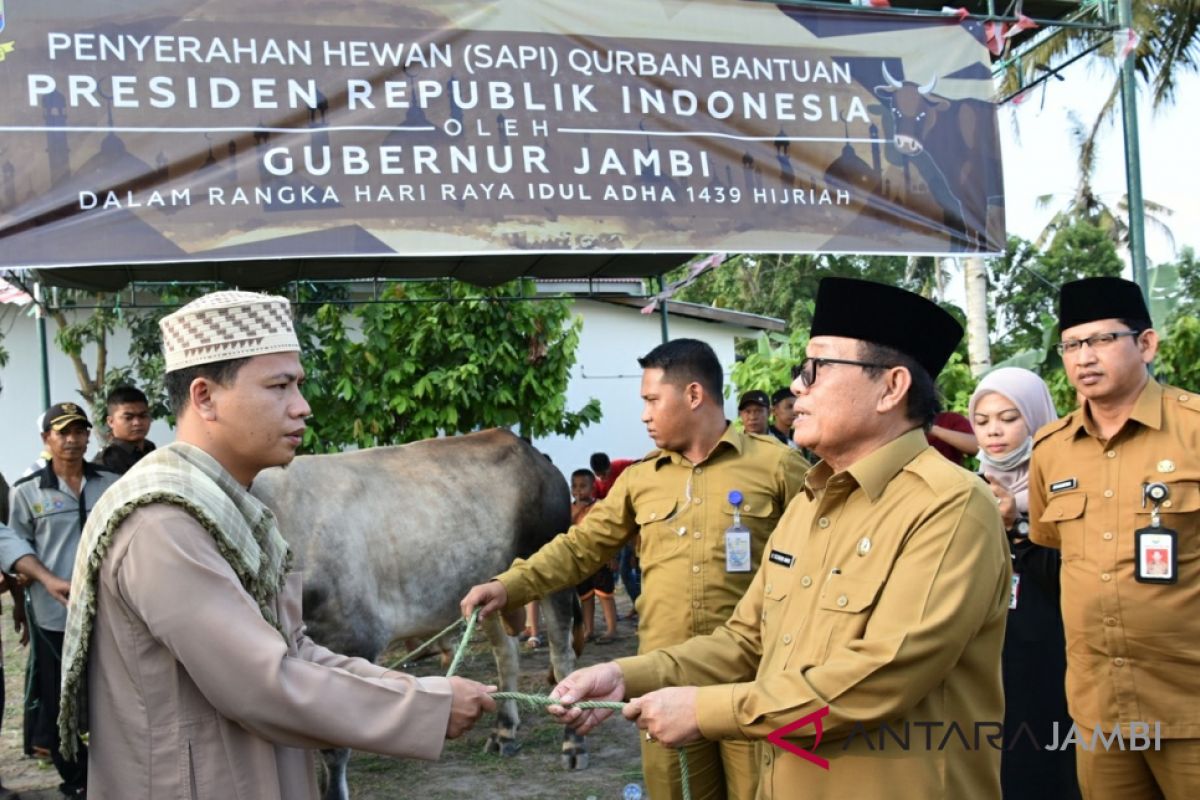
(226, 325)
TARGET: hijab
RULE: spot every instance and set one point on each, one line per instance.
(1029, 395)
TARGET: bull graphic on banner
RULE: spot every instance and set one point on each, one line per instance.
(927, 132)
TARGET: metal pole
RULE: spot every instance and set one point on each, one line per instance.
(1133, 162)
(41, 327)
(666, 327)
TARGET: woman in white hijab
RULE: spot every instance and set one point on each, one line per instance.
(1006, 411)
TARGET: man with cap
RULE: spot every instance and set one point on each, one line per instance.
(783, 413)
(49, 509)
(704, 503)
(752, 409)
(1115, 485)
(184, 635)
(882, 599)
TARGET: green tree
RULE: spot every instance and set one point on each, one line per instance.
(440, 358)
(784, 286)
(1025, 283)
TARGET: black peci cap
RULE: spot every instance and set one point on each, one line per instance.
(1090, 299)
(889, 316)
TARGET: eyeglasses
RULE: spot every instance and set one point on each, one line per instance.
(807, 370)
(1096, 341)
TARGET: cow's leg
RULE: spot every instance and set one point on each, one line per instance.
(562, 618)
(336, 761)
(503, 738)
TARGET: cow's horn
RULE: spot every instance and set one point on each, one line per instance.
(887, 76)
(929, 87)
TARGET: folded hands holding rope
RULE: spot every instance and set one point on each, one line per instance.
(667, 716)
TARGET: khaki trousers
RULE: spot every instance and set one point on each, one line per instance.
(1170, 773)
(716, 770)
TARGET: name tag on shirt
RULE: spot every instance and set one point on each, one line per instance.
(1016, 590)
(737, 551)
(782, 559)
(1062, 486)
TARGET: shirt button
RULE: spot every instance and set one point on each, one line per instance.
(842, 601)
(1108, 492)
(1108, 536)
(682, 530)
(1118, 662)
(806, 581)
(823, 522)
(699, 500)
(695, 604)
(1183, 398)
(787, 638)
(1111, 454)
(696, 534)
(1110, 621)
(698, 470)
(696, 568)
(768, 589)
(1166, 503)
(1104, 576)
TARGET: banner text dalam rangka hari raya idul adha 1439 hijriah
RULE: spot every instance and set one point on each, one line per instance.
(173, 130)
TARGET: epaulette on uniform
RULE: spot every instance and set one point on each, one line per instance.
(1051, 428)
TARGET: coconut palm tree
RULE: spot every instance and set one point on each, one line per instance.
(1087, 204)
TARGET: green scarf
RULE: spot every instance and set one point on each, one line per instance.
(185, 476)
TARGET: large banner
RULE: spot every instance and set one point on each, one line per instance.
(142, 131)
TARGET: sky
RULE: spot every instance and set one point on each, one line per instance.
(1040, 157)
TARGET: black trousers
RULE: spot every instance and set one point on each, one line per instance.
(48, 682)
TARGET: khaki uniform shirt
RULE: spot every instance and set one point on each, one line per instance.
(681, 511)
(884, 596)
(1133, 649)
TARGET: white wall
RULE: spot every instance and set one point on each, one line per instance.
(612, 339)
(21, 400)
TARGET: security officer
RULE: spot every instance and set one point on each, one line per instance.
(704, 504)
(753, 409)
(49, 508)
(1116, 485)
(882, 600)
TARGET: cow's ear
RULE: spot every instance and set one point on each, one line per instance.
(940, 103)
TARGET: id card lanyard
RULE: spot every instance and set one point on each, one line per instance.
(1155, 557)
(737, 538)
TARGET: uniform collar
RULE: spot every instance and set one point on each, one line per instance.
(732, 438)
(1147, 410)
(874, 471)
(49, 479)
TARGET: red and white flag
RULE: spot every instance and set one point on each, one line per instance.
(14, 295)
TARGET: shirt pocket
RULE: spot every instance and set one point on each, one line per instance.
(845, 605)
(1180, 512)
(658, 530)
(1066, 512)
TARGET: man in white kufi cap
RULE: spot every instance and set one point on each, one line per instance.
(184, 632)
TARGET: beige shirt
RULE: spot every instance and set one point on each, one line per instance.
(883, 596)
(1133, 649)
(193, 695)
(681, 511)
